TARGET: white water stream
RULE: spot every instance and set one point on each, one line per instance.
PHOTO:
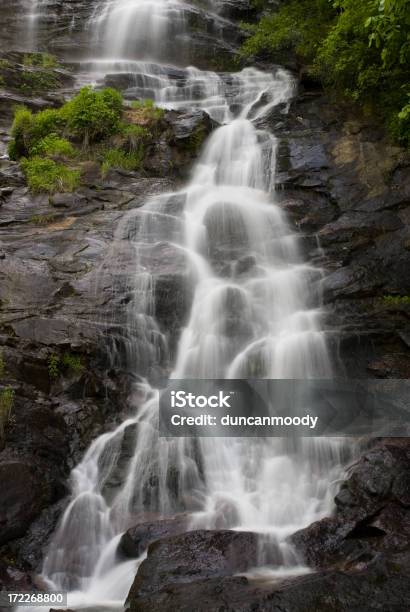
(255, 313)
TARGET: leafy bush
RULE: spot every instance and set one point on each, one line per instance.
(360, 50)
(54, 145)
(28, 129)
(45, 175)
(93, 115)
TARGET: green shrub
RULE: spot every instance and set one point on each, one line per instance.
(28, 129)
(118, 158)
(21, 132)
(53, 145)
(6, 406)
(45, 175)
(93, 115)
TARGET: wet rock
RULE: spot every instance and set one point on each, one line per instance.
(373, 512)
(195, 556)
(24, 494)
(137, 539)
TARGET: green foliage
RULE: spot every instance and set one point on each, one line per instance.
(396, 300)
(42, 60)
(40, 139)
(135, 135)
(360, 50)
(54, 145)
(73, 363)
(38, 81)
(118, 158)
(46, 175)
(29, 129)
(53, 366)
(148, 110)
(6, 406)
(298, 25)
(93, 115)
(42, 219)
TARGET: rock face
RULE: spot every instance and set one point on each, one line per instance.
(65, 334)
(136, 540)
(347, 189)
(193, 557)
(372, 511)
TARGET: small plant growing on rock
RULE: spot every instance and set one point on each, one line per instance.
(73, 363)
(42, 219)
(46, 175)
(53, 366)
(145, 111)
(6, 406)
(396, 300)
(2, 366)
(42, 60)
(117, 158)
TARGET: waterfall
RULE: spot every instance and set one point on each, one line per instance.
(255, 313)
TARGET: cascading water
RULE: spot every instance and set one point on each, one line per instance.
(255, 313)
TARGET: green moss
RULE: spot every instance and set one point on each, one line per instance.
(42, 219)
(73, 363)
(46, 175)
(396, 300)
(6, 406)
(37, 81)
(43, 60)
(2, 366)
